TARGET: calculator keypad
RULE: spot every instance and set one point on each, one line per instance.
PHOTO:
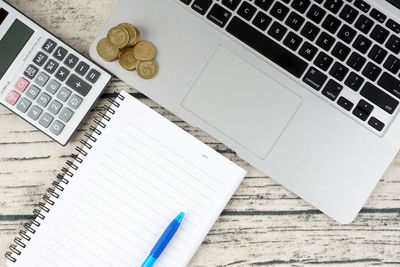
(35, 112)
(21, 85)
(49, 46)
(24, 104)
(41, 79)
(60, 53)
(31, 71)
(78, 85)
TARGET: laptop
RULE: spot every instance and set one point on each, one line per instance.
(306, 91)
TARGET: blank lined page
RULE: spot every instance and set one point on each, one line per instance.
(140, 173)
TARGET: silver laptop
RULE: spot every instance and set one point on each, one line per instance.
(307, 91)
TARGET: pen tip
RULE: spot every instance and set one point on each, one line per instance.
(179, 218)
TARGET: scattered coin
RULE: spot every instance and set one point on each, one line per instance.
(127, 60)
(144, 51)
(118, 37)
(147, 69)
(106, 50)
(134, 35)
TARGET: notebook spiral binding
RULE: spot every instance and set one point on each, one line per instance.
(62, 179)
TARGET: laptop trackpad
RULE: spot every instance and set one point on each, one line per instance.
(241, 102)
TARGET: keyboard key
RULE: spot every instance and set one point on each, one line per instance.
(359, 113)
(45, 120)
(264, 4)
(294, 21)
(82, 68)
(12, 97)
(54, 107)
(49, 46)
(292, 41)
(21, 85)
(32, 92)
(308, 51)
(323, 61)
(71, 60)
(23, 105)
(219, 15)
(379, 16)
(202, 6)
(356, 61)
(332, 90)
(347, 34)
(362, 44)
(40, 59)
(57, 127)
(364, 24)
(333, 5)
(51, 66)
(246, 11)
(186, 2)
(340, 51)
(60, 53)
(279, 11)
(325, 41)
(394, 26)
(78, 85)
(62, 73)
(345, 103)
(34, 112)
(354, 81)
(31, 71)
(338, 71)
(390, 84)
(301, 5)
(377, 54)
(63, 94)
(379, 34)
(66, 114)
(41, 79)
(331, 24)
(267, 47)
(43, 100)
(232, 4)
(365, 106)
(277, 31)
(310, 31)
(315, 78)
(262, 21)
(349, 14)
(316, 13)
(75, 101)
(392, 64)
(52, 87)
(318, 1)
(393, 44)
(376, 124)
(363, 6)
(371, 71)
(379, 98)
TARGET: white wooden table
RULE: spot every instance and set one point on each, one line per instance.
(264, 224)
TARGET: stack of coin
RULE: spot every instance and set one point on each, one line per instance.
(123, 44)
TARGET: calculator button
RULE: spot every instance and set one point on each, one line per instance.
(52, 87)
(31, 71)
(40, 59)
(34, 112)
(12, 97)
(82, 68)
(60, 53)
(63, 94)
(21, 84)
(56, 127)
(41, 79)
(23, 104)
(62, 74)
(43, 100)
(71, 61)
(66, 114)
(55, 107)
(32, 92)
(93, 76)
(74, 102)
(45, 120)
(49, 46)
(78, 85)
(51, 66)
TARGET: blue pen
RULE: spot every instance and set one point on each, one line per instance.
(163, 241)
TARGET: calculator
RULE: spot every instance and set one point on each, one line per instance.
(44, 80)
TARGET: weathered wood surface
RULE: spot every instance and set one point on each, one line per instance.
(264, 224)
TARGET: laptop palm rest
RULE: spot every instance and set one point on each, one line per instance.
(241, 102)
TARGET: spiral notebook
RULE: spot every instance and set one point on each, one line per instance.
(135, 173)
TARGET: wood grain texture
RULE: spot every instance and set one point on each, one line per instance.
(264, 224)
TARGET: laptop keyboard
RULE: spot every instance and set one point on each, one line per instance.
(344, 49)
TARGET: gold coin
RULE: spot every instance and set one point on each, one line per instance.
(127, 60)
(137, 36)
(106, 50)
(118, 37)
(144, 51)
(147, 69)
(132, 31)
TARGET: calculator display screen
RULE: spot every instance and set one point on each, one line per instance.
(12, 43)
